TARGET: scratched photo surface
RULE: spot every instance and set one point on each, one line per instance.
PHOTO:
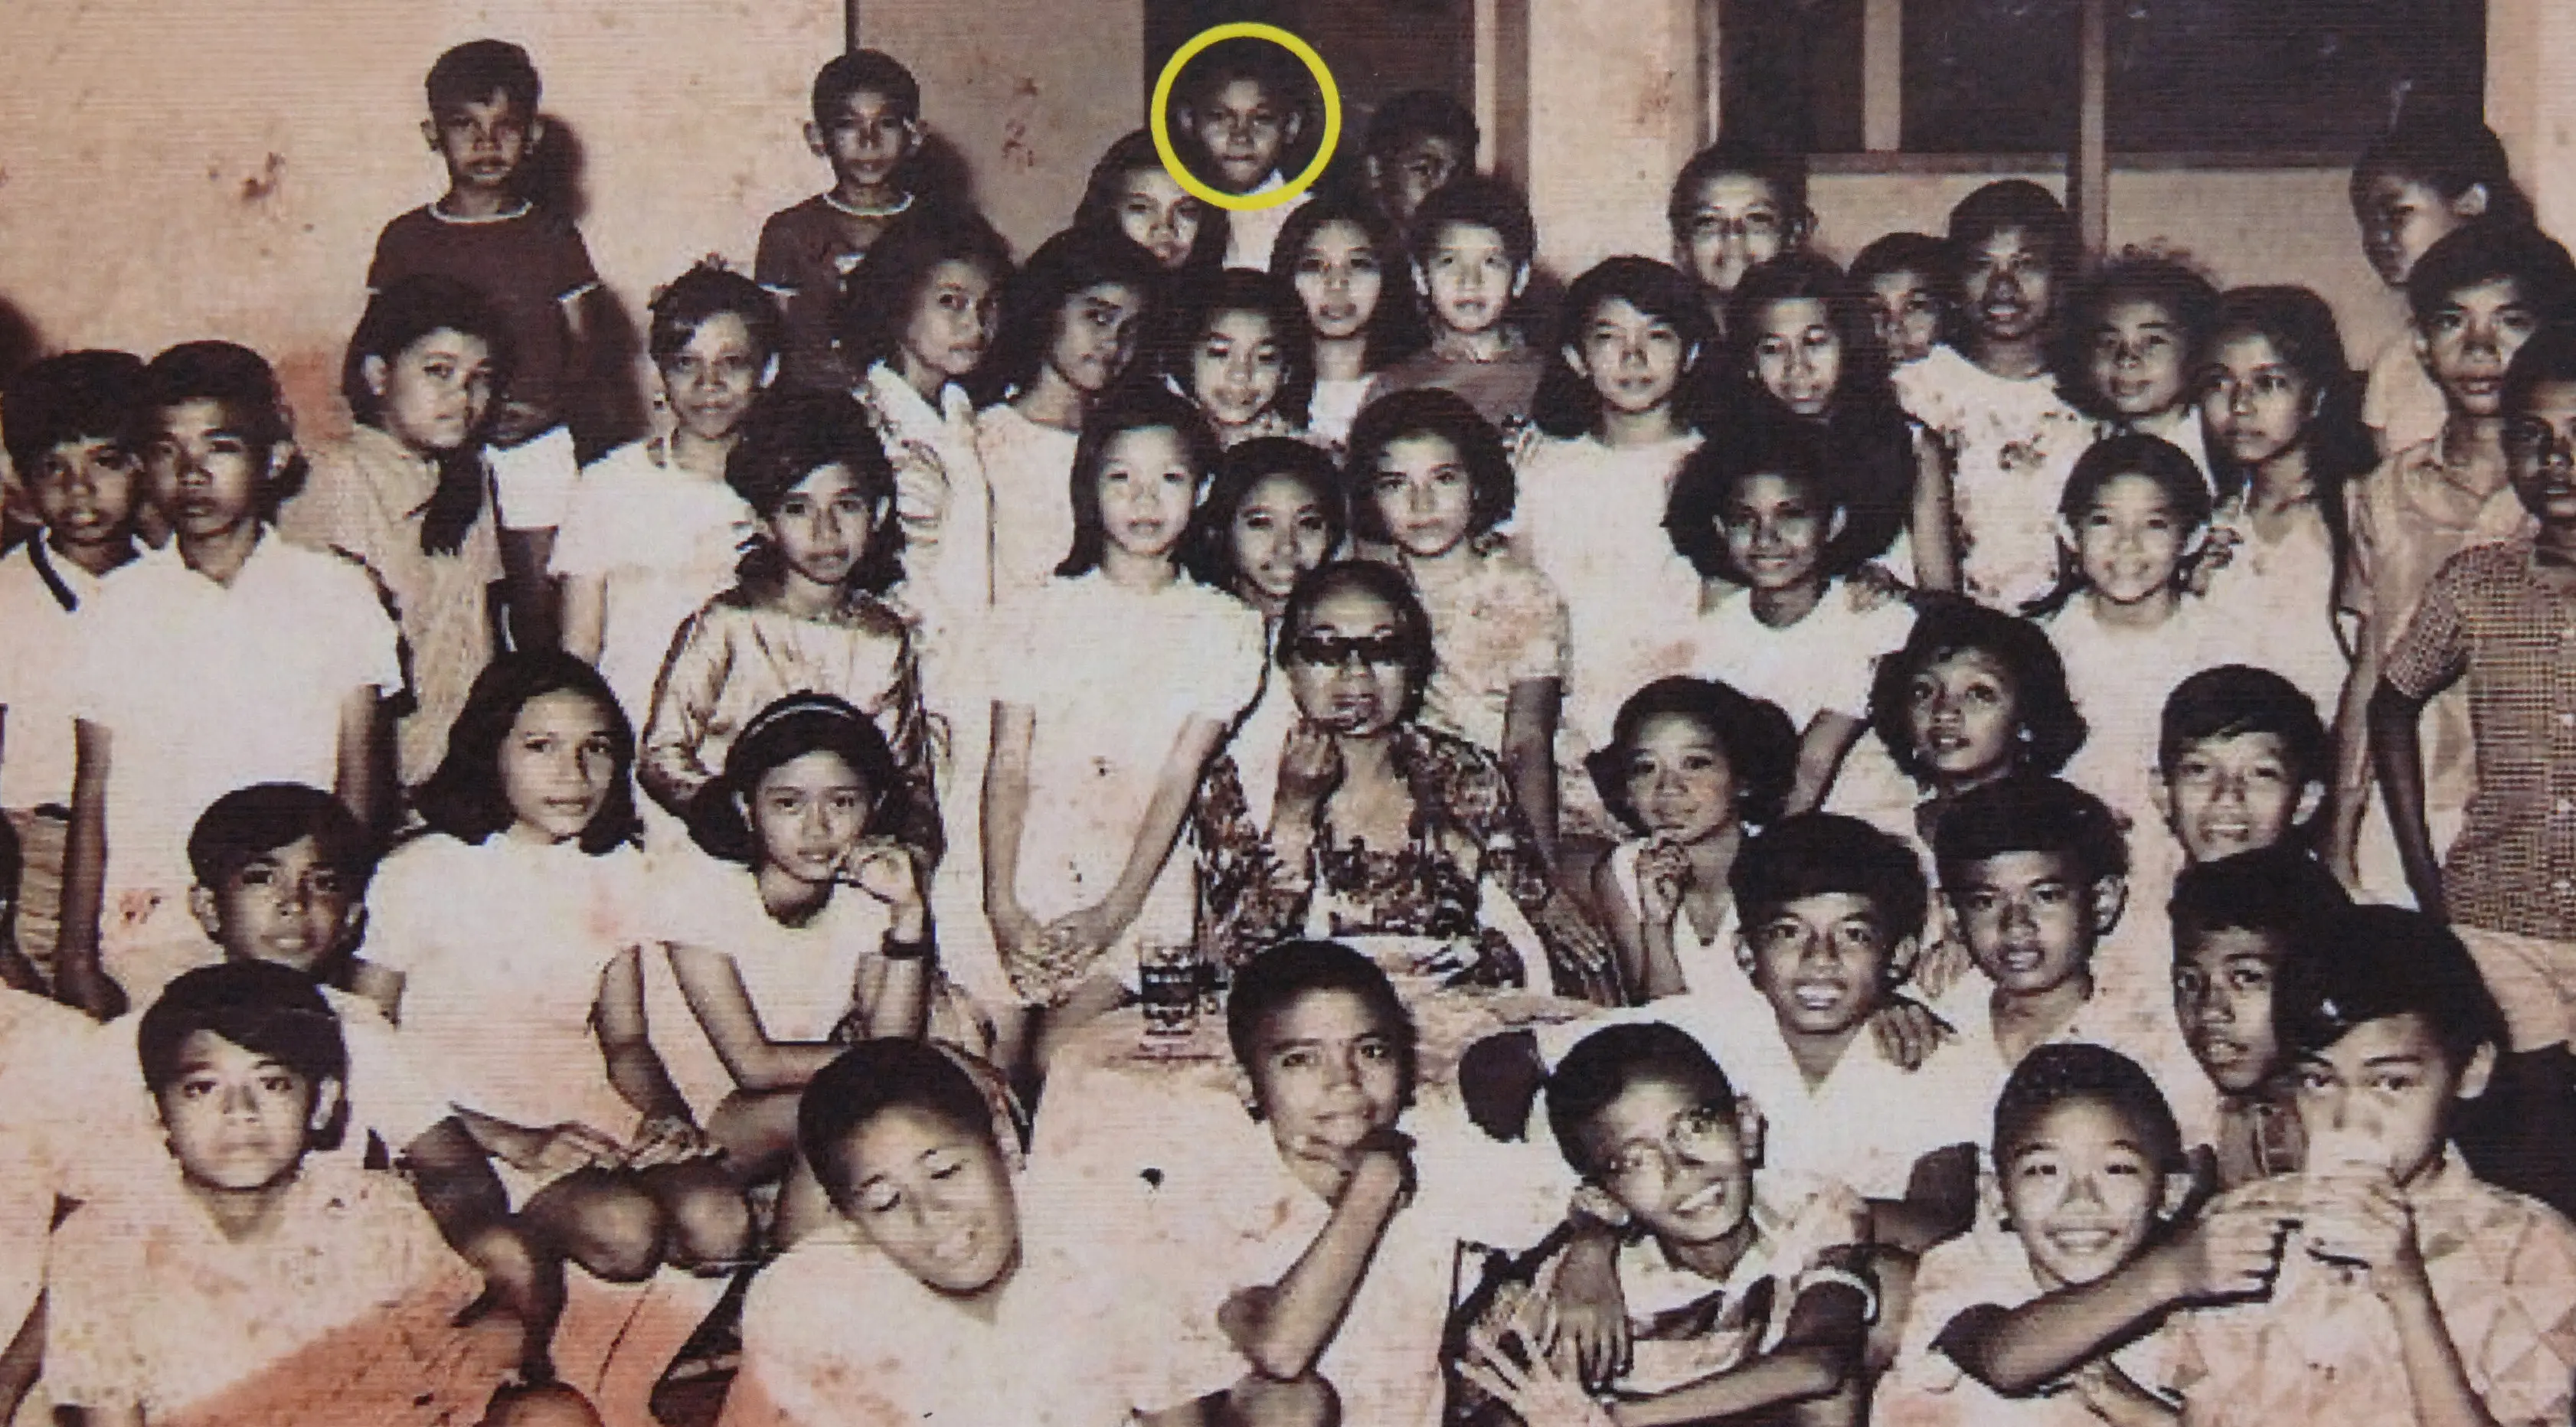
(1273, 713)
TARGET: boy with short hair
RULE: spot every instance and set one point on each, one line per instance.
(1906, 277)
(867, 126)
(2410, 1291)
(1734, 205)
(1238, 111)
(74, 428)
(2243, 761)
(1473, 242)
(1417, 141)
(2476, 296)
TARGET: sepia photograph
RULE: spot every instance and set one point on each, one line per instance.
(1287, 713)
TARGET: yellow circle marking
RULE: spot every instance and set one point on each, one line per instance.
(1162, 110)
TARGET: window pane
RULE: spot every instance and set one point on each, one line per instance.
(1790, 74)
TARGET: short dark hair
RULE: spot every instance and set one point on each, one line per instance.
(787, 437)
(247, 824)
(1760, 744)
(464, 798)
(1785, 171)
(1430, 411)
(2492, 252)
(1274, 978)
(76, 396)
(872, 71)
(268, 1010)
(1477, 200)
(2235, 700)
(2549, 357)
(1946, 628)
(1244, 57)
(2448, 151)
(1134, 152)
(788, 729)
(1033, 302)
(2183, 291)
(1138, 408)
(878, 298)
(2015, 203)
(704, 292)
(1920, 253)
(1567, 403)
(2052, 1075)
(1389, 585)
(2357, 964)
(2024, 813)
(2278, 891)
(1603, 1065)
(1761, 443)
(871, 1078)
(240, 381)
(1195, 301)
(1818, 854)
(478, 69)
(1209, 549)
(1421, 114)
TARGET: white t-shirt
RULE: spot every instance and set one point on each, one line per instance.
(502, 947)
(1030, 468)
(665, 541)
(206, 688)
(1251, 234)
(1822, 664)
(2013, 442)
(42, 649)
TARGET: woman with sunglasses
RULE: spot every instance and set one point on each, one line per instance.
(1377, 829)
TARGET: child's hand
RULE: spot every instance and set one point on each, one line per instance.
(1872, 587)
(1385, 1150)
(1310, 767)
(1942, 966)
(1080, 936)
(1538, 1394)
(2232, 1251)
(885, 870)
(1907, 1032)
(2362, 1220)
(2113, 1396)
(669, 1139)
(1585, 1320)
(568, 1147)
(2216, 554)
(1663, 873)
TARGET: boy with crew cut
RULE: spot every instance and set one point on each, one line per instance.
(867, 126)
(1238, 111)
(1417, 141)
(2243, 761)
(1472, 245)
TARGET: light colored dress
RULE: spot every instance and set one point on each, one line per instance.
(2012, 444)
(664, 541)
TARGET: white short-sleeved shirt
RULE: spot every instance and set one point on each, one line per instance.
(664, 540)
(42, 650)
(1030, 468)
(1252, 233)
(502, 947)
(1822, 664)
(2401, 399)
(206, 688)
(2013, 442)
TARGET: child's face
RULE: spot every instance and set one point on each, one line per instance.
(1095, 335)
(1236, 368)
(2401, 218)
(2082, 1190)
(1339, 280)
(1243, 128)
(207, 474)
(1417, 169)
(2129, 541)
(432, 395)
(2222, 990)
(1735, 221)
(807, 813)
(1326, 1073)
(2030, 918)
(1821, 962)
(1147, 487)
(1797, 354)
(867, 139)
(1346, 666)
(1775, 531)
(821, 526)
(2234, 794)
(237, 1119)
(2008, 286)
(2255, 404)
(558, 765)
(1965, 716)
(1470, 278)
(2383, 1093)
(84, 491)
(2539, 442)
(285, 906)
(1673, 1161)
(484, 142)
(2135, 358)
(1157, 212)
(2471, 338)
(1280, 532)
(1907, 309)
(952, 324)
(935, 1197)
(1678, 779)
(712, 379)
(1632, 357)
(1424, 493)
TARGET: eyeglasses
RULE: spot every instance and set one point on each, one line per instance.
(1333, 652)
(2530, 438)
(1703, 1136)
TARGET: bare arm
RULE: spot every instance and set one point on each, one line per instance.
(1816, 1357)
(79, 979)
(1285, 1328)
(1936, 556)
(2396, 743)
(1637, 957)
(627, 1045)
(380, 984)
(670, 758)
(358, 779)
(2349, 796)
(1529, 756)
(1173, 787)
(713, 985)
(1006, 812)
(1828, 739)
(585, 615)
(1940, 1202)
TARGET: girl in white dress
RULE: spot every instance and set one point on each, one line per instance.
(1348, 265)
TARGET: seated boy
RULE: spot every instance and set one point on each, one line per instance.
(2411, 1290)
(1472, 246)
(1237, 111)
(75, 438)
(2089, 1172)
(867, 126)
(1417, 141)
(1744, 1292)
(240, 1283)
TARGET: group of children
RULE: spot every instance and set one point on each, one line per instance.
(1920, 720)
